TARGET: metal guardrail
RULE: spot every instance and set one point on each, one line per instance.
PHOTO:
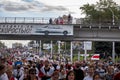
(32, 20)
(97, 24)
(81, 22)
(23, 20)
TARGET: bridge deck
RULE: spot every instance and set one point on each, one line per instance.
(81, 31)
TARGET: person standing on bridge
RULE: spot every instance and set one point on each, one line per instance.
(50, 21)
(69, 19)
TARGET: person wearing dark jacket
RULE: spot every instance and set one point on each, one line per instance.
(79, 74)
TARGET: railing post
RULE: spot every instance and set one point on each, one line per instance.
(15, 20)
(42, 20)
(33, 20)
(5, 19)
(24, 19)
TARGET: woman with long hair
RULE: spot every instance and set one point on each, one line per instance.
(70, 75)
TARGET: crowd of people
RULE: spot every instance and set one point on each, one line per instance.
(61, 20)
(16, 68)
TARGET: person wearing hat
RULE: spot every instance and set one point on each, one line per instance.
(3, 75)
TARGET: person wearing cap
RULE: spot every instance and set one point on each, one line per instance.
(3, 75)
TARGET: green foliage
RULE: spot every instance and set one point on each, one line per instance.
(55, 47)
(88, 10)
(31, 42)
(2, 45)
(101, 47)
(102, 10)
(117, 47)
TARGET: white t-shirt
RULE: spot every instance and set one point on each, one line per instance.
(88, 78)
(4, 77)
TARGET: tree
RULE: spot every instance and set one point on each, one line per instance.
(102, 12)
(89, 10)
(2, 45)
(117, 48)
(102, 47)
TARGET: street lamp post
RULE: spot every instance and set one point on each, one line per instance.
(113, 43)
(113, 51)
(113, 16)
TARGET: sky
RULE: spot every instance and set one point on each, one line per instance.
(42, 8)
(8, 43)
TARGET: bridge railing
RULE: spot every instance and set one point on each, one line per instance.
(41, 20)
(87, 21)
(98, 24)
(23, 20)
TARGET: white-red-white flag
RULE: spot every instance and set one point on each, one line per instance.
(95, 57)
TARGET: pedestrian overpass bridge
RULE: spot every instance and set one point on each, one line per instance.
(40, 29)
(26, 29)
